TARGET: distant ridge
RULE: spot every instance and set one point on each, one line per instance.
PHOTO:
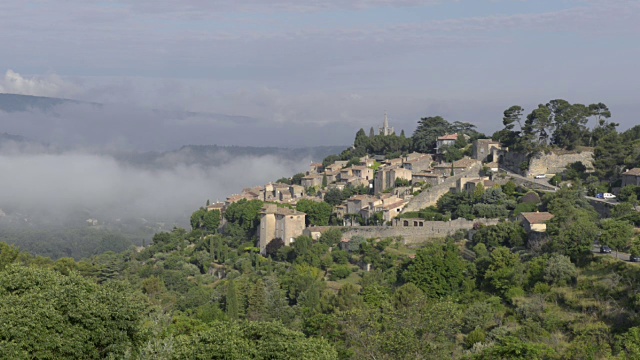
(18, 103)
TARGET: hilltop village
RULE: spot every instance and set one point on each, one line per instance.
(382, 196)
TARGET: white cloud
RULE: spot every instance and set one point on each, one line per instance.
(50, 85)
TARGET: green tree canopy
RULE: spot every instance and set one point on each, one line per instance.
(47, 315)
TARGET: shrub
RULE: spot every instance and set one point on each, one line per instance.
(340, 272)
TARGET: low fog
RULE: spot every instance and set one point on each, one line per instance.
(75, 186)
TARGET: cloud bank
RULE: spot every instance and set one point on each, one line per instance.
(62, 185)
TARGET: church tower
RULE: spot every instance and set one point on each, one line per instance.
(386, 129)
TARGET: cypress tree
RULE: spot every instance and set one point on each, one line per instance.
(232, 301)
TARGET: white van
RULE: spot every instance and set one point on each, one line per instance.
(608, 196)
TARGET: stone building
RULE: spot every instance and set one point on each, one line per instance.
(417, 163)
(535, 221)
(386, 178)
(482, 148)
(363, 172)
(427, 177)
(631, 177)
(447, 140)
(283, 223)
(449, 169)
(469, 184)
(311, 180)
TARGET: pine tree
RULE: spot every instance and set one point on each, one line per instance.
(371, 133)
(324, 181)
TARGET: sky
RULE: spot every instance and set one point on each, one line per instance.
(313, 72)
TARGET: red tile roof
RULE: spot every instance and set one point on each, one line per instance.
(537, 217)
(449, 137)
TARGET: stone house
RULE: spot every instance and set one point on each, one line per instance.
(357, 202)
(283, 223)
(386, 178)
(363, 172)
(427, 177)
(631, 177)
(390, 211)
(311, 181)
(332, 176)
(535, 221)
(393, 162)
(482, 148)
(315, 168)
(336, 166)
(457, 166)
(447, 140)
(469, 184)
(297, 191)
(216, 206)
(367, 161)
(345, 173)
(277, 191)
(418, 164)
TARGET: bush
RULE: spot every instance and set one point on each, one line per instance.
(340, 272)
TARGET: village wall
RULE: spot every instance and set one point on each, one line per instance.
(412, 235)
(551, 163)
(554, 164)
(431, 195)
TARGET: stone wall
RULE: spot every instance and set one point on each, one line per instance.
(551, 163)
(431, 195)
(412, 235)
(554, 163)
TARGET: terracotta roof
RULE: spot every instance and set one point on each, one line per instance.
(488, 141)
(633, 172)
(537, 217)
(449, 137)
(464, 163)
(394, 205)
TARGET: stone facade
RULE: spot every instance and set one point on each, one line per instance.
(283, 223)
(430, 196)
(482, 148)
(386, 178)
(535, 221)
(417, 234)
(631, 177)
(554, 164)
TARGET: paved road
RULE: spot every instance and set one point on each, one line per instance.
(621, 256)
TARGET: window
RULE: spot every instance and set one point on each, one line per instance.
(406, 223)
(415, 223)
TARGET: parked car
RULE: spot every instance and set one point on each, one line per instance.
(541, 176)
(608, 196)
(600, 196)
(634, 258)
(605, 250)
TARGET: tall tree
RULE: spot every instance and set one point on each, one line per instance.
(231, 300)
(428, 130)
(616, 234)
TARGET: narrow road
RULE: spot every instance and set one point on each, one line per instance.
(621, 256)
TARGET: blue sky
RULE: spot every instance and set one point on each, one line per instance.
(326, 67)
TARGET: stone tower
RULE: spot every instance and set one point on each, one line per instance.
(283, 223)
(386, 129)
